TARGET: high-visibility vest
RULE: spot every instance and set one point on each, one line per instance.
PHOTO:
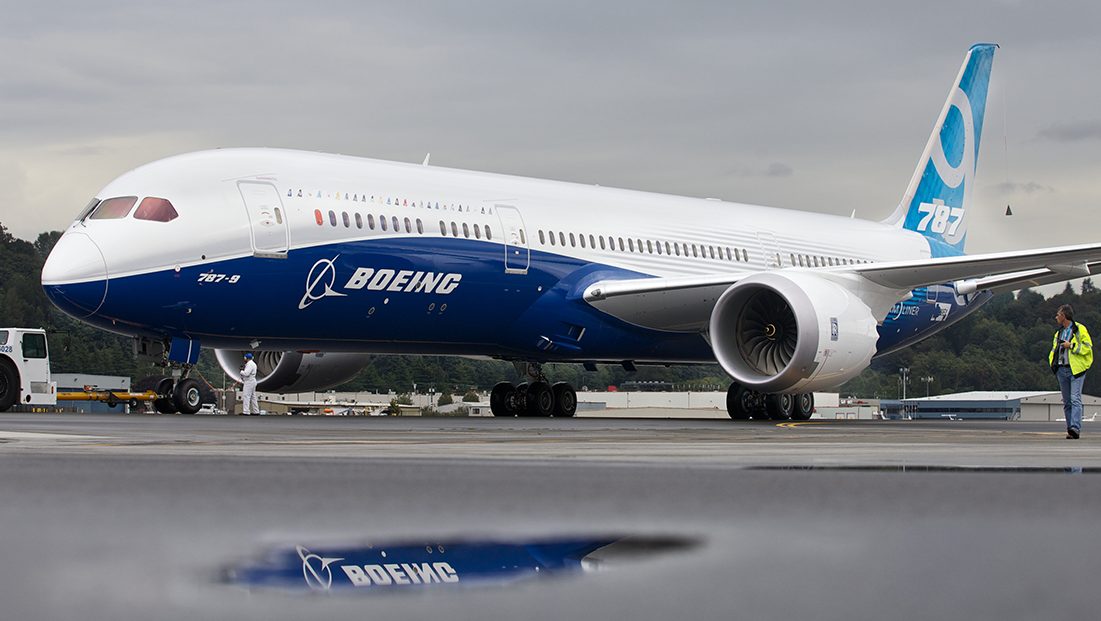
(1080, 354)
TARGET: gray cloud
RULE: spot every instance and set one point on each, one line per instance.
(1072, 132)
(1008, 188)
(774, 169)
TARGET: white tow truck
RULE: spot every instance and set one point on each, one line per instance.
(25, 379)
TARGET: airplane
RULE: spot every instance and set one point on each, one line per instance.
(317, 261)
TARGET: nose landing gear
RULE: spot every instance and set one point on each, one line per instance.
(184, 396)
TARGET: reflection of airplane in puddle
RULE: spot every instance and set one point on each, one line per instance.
(405, 565)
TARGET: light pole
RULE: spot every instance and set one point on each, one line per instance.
(928, 379)
(904, 373)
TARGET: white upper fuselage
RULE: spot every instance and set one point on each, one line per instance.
(213, 222)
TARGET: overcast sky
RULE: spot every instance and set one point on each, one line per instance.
(823, 106)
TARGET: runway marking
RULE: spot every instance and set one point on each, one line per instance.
(32, 435)
(802, 423)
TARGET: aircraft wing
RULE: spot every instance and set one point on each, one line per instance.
(999, 269)
(683, 304)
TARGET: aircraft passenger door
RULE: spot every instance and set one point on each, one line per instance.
(770, 249)
(267, 219)
(517, 253)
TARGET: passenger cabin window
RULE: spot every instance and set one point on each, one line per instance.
(34, 345)
(489, 233)
(114, 208)
(156, 210)
(3, 337)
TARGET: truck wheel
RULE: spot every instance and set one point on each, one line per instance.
(9, 385)
(166, 404)
(187, 398)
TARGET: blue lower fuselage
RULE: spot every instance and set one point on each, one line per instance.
(304, 302)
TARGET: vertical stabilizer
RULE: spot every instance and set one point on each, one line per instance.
(936, 201)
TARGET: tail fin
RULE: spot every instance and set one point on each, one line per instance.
(936, 200)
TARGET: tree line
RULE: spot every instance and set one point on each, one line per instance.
(1002, 346)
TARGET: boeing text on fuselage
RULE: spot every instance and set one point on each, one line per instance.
(322, 278)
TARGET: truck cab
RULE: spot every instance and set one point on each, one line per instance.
(25, 368)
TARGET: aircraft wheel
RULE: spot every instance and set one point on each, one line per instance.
(779, 407)
(499, 398)
(518, 400)
(166, 404)
(540, 399)
(187, 397)
(804, 406)
(739, 402)
(565, 400)
(9, 385)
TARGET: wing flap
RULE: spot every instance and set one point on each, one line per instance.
(1063, 263)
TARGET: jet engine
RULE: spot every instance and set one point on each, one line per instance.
(787, 332)
(291, 371)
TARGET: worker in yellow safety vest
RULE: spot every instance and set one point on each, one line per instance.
(1070, 357)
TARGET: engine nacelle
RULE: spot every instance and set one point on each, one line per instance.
(791, 332)
(291, 371)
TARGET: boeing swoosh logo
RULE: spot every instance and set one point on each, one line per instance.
(315, 569)
(322, 276)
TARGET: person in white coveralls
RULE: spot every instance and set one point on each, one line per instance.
(248, 380)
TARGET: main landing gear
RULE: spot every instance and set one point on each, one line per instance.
(535, 397)
(744, 404)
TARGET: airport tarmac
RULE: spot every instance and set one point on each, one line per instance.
(151, 516)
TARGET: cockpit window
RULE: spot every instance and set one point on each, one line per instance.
(114, 208)
(156, 209)
(87, 209)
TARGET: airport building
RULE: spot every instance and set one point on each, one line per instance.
(992, 404)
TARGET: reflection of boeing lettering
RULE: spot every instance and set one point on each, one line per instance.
(400, 573)
(403, 280)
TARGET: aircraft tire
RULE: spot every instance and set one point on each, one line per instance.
(518, 400)
(499, 398)
(540, 400)
(565, 400)
(166, 404)
(9, 385)
(779, 406)
(187, 397)
(804, 406)
(739, 402)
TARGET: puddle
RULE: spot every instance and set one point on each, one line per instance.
(415, 566)
(1001, 469)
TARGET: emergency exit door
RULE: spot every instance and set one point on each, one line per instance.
(517, 253)
(267, 219)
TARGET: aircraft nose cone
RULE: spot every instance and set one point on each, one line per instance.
(75, 275)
